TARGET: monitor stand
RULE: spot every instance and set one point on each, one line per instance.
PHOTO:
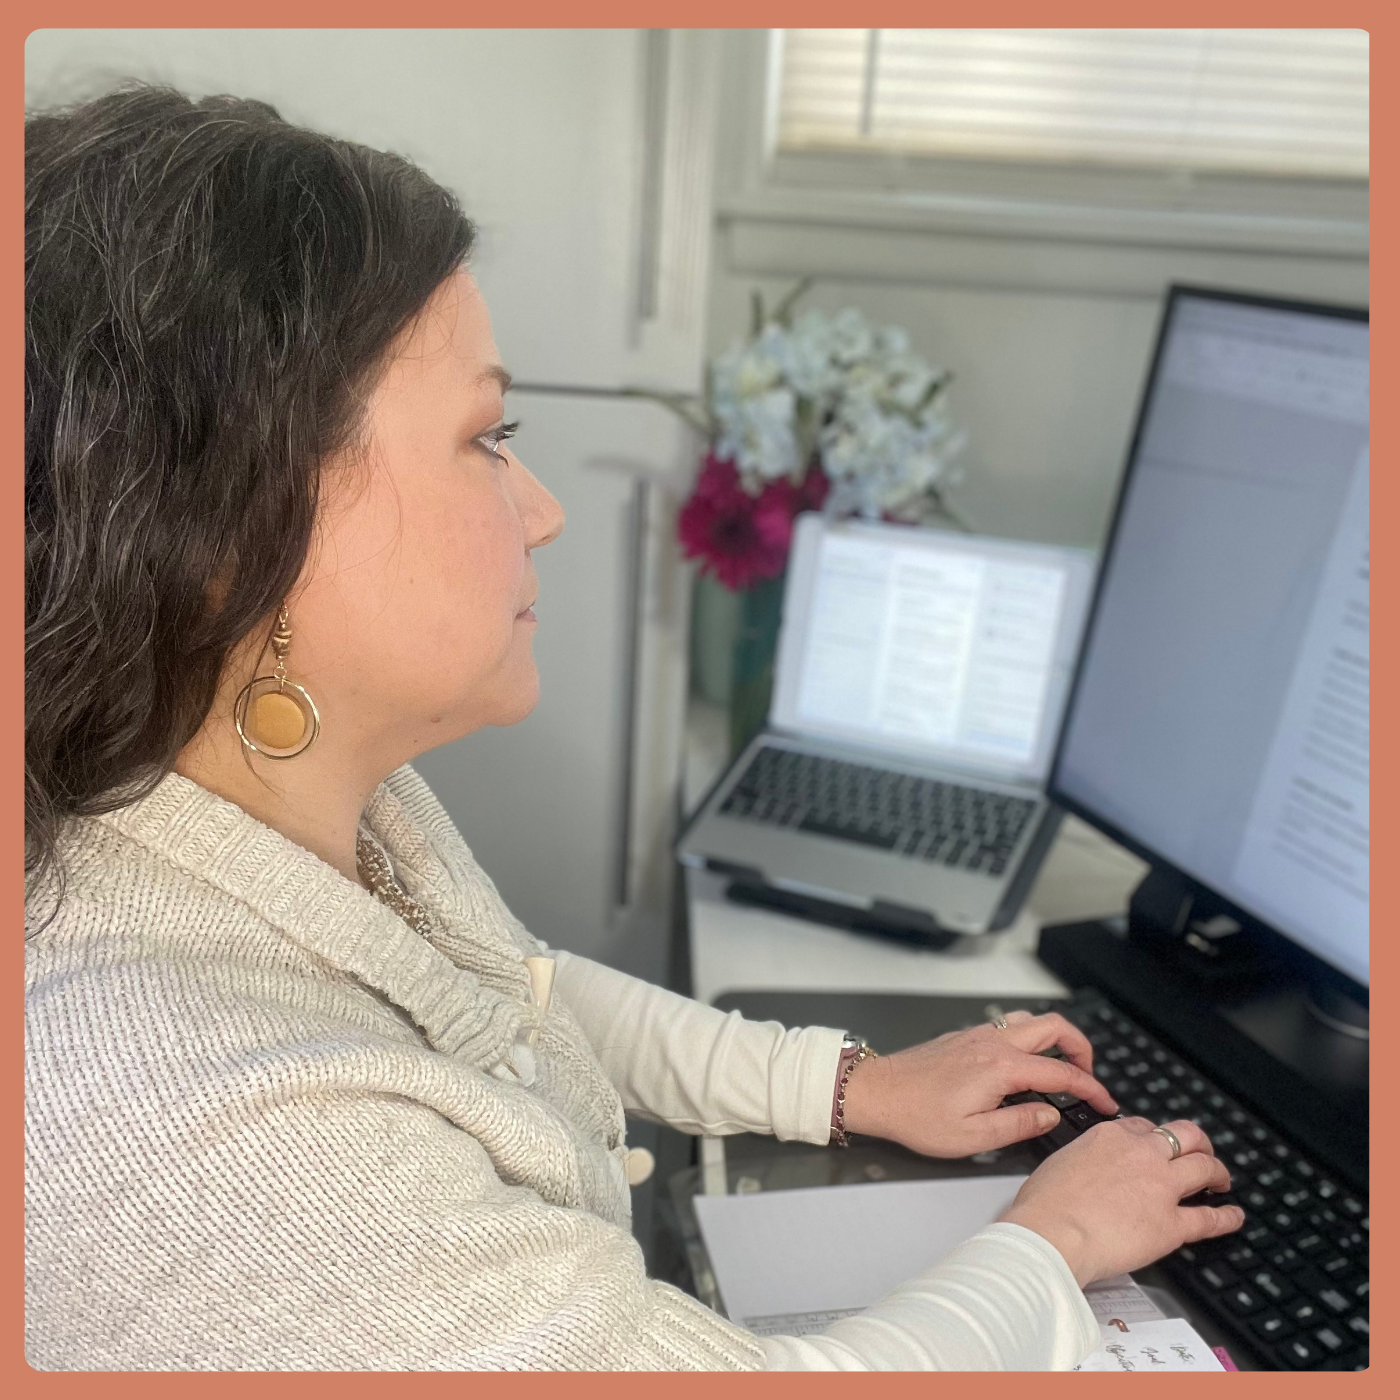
(1340, 1013)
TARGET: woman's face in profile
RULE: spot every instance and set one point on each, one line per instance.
(412, 619)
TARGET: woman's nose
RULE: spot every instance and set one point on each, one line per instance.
(543, 515)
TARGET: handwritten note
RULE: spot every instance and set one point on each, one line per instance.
(1157, 1344)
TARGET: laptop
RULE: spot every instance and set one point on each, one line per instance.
(919, 685)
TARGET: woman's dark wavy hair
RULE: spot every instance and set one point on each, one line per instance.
(210, 293)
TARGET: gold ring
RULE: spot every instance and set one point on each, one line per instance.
(1172, 1138)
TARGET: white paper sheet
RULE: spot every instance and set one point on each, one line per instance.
(792, 1262)
(784, 1259)
(1119, 1300)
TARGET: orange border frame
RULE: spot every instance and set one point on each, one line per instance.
(25, 16)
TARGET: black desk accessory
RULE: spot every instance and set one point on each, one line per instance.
(896, 923)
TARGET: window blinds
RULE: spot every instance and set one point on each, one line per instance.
(1265, 101)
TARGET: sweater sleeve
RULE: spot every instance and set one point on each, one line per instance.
(1004, 1300)
(699, 1069)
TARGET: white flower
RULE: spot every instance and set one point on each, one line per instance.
(858, 396)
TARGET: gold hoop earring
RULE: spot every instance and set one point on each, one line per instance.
(274, 717)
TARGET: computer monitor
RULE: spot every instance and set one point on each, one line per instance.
(1218, 720)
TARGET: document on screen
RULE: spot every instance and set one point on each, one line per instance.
(933, 647)
(1307, 841)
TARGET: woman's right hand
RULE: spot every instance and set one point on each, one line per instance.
(1111, 1200)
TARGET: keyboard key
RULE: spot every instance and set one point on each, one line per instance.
(1304, 1311)
(1243, 1300)
(1274, 1285)
(1338, 1302)
(1217, 1276)
(1270, 1326)
(1330, 1339)
(1360, 1324)
(1298, 1353)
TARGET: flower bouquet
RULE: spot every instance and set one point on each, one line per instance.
(813, 411)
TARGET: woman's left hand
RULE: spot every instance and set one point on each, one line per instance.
(942, 1098)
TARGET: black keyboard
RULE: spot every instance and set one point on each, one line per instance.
(1294, 1283)
(965, 827)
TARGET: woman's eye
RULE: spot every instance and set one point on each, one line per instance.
(494, 437)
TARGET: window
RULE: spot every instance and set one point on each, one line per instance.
(1284, 103)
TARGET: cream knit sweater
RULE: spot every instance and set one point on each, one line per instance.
(269, 1126)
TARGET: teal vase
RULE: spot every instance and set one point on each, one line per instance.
(714, 627)
(755, 651)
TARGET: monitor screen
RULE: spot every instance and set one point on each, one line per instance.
(958, 647)
(1219, 721)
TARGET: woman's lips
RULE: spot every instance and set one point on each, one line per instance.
(527, 616)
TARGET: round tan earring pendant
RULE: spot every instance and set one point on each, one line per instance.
(276, 718)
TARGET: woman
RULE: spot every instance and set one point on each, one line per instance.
(300, 1093)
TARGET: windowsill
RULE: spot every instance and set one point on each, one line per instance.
(1011, 218)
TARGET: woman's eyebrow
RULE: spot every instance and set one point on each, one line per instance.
(499, 373)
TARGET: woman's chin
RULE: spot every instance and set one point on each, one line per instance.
(517, 700)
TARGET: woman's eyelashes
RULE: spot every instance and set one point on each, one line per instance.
(494, 437)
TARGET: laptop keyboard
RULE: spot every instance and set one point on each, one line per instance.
(964, 827)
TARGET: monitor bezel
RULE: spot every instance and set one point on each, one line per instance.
(1311, 965)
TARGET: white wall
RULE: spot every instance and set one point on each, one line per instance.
(1047, 323)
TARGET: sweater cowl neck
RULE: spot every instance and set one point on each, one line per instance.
(465, 984)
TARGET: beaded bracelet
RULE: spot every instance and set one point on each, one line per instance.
(838, 1120)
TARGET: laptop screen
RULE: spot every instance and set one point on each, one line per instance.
(935, 645)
